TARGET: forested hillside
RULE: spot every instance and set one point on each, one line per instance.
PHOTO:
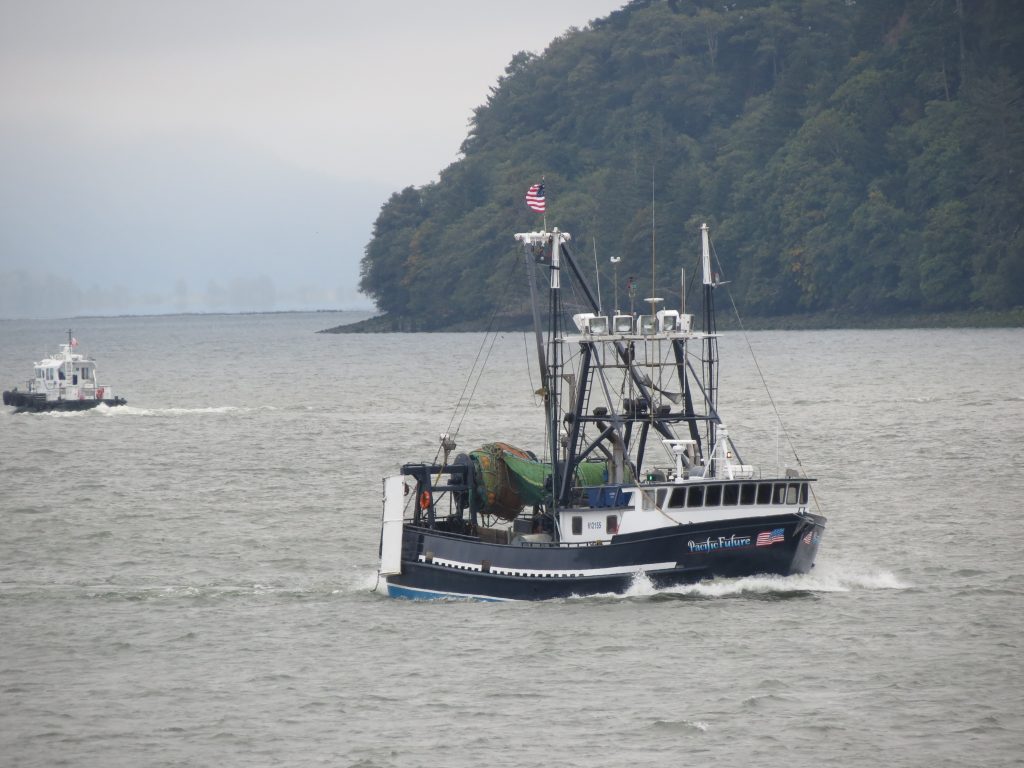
(849, 155)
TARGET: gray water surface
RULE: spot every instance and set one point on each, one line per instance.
(190, 580)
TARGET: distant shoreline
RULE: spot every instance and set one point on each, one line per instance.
(195, 314)
(820, 321)
(378, 323)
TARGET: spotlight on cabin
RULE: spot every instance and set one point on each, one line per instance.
(591, 324)
(623, 324)
(668, 320)
(598, 326)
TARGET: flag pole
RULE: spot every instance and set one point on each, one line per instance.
(545, 187)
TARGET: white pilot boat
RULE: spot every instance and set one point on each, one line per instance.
(639, 476)
(65, 381)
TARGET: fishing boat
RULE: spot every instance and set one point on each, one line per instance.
(65, 381)
(638, 479)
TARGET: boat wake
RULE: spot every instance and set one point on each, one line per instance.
(128, 410)
(215, 591)
(823, 580)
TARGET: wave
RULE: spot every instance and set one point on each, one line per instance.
(823, 580)
(213, 591)
(129, 410)
(62, 414)
(681, 725)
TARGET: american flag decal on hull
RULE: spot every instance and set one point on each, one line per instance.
(767, 538)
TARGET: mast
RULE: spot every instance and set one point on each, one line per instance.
(535, 307)
(554, 367)
(547, 248)
(710, 345)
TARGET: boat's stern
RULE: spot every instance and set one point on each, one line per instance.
(392, 523)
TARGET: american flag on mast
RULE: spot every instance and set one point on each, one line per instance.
(535, 198)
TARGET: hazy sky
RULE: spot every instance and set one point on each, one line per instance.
(231, 154)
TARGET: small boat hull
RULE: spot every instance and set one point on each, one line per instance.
(36, 402)
(440, 565)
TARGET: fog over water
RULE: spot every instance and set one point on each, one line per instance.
(230, 155)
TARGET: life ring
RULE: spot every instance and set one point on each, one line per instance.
(425, 500)
(99, 393)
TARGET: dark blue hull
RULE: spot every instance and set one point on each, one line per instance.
(437, 564)
(36, 402)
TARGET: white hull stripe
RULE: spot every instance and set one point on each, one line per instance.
(540, 573)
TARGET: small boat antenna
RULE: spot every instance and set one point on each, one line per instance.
(615, 281)
(597, 276)
(654, 287)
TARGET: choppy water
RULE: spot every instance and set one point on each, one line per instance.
(189, 580)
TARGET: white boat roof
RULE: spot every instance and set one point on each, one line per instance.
(52, 362)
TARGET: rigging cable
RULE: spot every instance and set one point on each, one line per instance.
(529, 367)
(469, 378)
(764, 383)
(464, 406)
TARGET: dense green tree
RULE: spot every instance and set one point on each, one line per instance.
(947, 250)
(862, 157)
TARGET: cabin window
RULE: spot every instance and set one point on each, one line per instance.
(803, 493)
(749, 493)
(792, 492)
(74, 378)
(713, 496)
(577, 525)
(779, 496)
(764, 493)
(731, 495)
(662, 493)
(696, 497)
(678, 497)
(611, 524)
